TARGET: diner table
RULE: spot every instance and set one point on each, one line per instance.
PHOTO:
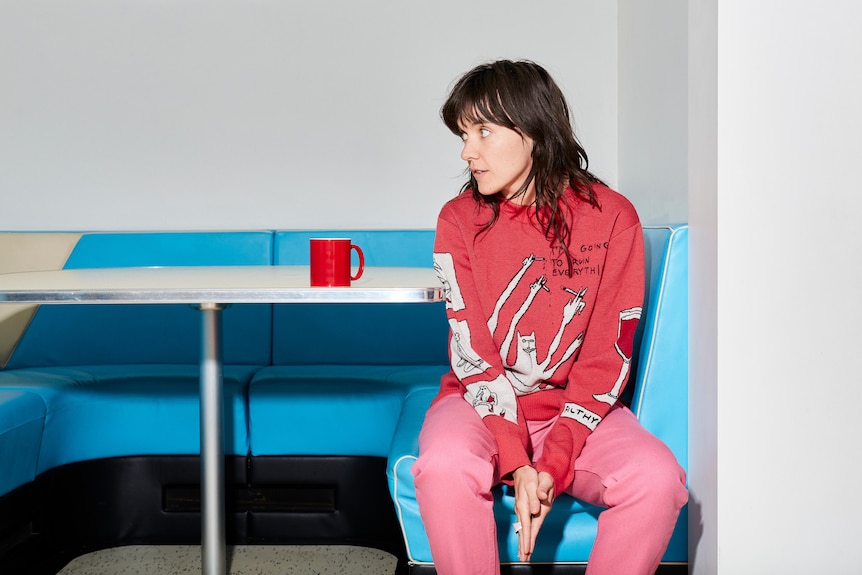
(210, 289)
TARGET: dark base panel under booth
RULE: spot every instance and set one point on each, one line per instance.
(551, 569)
(341, 500)
(82, 507)
(278, 500)
(19, 543)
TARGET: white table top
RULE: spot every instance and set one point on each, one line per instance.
(208, 284)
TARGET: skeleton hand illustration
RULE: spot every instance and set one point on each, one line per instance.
(510, 287)
(575, 305)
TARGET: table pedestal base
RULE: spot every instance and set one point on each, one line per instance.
(213, 555)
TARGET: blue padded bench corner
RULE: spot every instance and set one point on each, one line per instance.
(121, 380)
(22, 419)
(341, 371)
(102, 401)
(659, 400)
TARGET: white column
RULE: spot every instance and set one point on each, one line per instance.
(775, 199)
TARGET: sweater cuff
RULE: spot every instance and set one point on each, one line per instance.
(511, 446)
(562, 446)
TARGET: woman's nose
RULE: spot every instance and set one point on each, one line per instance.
(468, 152)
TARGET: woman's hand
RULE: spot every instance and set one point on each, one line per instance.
(534, 495)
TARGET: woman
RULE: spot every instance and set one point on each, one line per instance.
(543, 266)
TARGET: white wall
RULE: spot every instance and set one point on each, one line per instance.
(232, 114)
(653, 146)
(229, 114)
(703, 532)
(776, 333)
(265, 114)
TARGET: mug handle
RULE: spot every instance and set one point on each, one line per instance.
(361, 262)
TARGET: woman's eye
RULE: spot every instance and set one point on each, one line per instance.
(485, 132)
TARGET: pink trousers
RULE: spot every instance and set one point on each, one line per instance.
(622, 467)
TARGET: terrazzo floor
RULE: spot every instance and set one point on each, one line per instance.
(241, 560)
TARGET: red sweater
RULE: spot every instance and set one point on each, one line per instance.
(529, 340)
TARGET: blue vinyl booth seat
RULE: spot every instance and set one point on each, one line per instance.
(22, 419)
(340, 372)
(659, 399)
(122, 380)
(99, 406)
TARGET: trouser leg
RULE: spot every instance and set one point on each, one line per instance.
(454, 474)
(628, 470)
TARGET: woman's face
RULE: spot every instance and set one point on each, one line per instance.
(499, 158)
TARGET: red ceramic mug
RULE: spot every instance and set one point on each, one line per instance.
(330, 262)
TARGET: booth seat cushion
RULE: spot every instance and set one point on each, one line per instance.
(22, 418)
(659, 397)
(330, 409)
(103, 411)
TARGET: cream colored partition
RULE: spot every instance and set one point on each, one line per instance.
(27, 252)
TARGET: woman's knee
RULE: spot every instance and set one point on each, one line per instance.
(455, 452)
(668, 483)
(660, 480)
(651, 476)
(458, 465)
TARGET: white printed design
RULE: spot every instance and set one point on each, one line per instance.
(626, 334)
(582, 415)
(444, 267)
(465, 361)
(528, 374)
(493, 398)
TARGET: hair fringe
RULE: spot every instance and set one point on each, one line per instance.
(523, 97)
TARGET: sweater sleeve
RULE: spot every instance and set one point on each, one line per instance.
(601, 371)
(477, 372)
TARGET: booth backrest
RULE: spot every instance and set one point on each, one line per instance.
(62, 335)
(381, 247)
(661, 385)
(361, 334)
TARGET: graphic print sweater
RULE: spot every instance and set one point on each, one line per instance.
(530, 340)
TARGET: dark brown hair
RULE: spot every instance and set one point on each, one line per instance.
(522, 96)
